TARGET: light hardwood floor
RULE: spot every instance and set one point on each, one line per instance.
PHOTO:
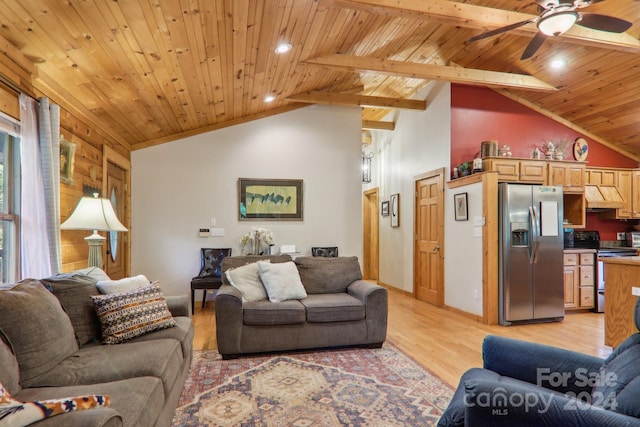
(447, 342)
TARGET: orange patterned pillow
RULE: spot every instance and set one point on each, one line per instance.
(17, 414)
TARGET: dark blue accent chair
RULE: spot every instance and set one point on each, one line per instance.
(525, 384)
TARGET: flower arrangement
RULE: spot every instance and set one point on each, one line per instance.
(253, 242)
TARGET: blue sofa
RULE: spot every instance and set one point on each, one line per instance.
(526, 384)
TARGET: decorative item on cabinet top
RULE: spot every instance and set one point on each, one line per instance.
(580, 149)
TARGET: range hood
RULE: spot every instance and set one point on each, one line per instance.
(603, 197)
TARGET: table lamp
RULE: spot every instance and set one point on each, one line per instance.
(93, 213)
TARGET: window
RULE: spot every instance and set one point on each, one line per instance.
(9, 207)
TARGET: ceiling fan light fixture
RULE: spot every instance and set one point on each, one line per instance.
(557, 23)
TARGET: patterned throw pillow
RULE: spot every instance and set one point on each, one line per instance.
(130, 314)
(18, 414)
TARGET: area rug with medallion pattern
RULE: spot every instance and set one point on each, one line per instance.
(355, 387)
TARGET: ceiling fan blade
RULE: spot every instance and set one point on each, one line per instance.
(604, 23)
(501, 30)
(533, 46)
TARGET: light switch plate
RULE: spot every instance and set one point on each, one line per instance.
(621, 236)
(478, 221)
(203, 232)
(217, 232)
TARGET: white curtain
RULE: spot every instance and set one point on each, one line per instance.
(40, 197)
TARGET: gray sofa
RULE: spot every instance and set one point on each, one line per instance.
(50, 347)
(340, 309)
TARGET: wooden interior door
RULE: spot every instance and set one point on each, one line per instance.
(429, 239)
(370, 234)
(115, 187)
(115, 265)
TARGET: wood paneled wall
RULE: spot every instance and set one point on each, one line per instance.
(87, 172)
(88, 160)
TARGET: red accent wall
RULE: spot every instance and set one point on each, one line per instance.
(479, 114)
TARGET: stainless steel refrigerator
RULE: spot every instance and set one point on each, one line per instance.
(531, 254)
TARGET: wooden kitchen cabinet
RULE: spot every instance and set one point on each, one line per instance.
(579, 279)
(570, 281)
(597, 176)
(570, 175)
(628, 185)
(533, 172)
(517, 170)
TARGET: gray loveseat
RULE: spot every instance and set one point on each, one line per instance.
(340, 309)
(50, 348)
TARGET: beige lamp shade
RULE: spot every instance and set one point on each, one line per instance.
(93, 214)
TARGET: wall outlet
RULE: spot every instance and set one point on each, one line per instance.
(621, 236)
(476, 294)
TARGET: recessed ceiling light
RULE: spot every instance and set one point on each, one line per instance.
(558, 63)
(283, 48)
(269, 98)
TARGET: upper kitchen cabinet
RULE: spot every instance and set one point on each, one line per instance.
(615, 191)
(628, 185)
(570, 175)
(517, 170)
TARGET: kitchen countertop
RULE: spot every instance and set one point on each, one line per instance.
(624, 260)
(579, 251)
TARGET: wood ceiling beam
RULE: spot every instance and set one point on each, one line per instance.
(485, 19)
(354, 64)
(332, 98)
(377, 124)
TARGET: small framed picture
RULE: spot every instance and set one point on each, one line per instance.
(385, 208)
(394, 201)
(460, 207)
(67, 156)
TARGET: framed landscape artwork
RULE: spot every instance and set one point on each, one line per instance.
(270, 199)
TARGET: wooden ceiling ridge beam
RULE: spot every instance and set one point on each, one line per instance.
(568, 124)
(456, 74)
(378, 124)
(333, 98)
(485, 18)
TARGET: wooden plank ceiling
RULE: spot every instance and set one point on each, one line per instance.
(152, 71)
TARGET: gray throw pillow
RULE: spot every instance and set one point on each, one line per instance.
(9, 369)
(37, 328)
(74, 292)
(281, 280)
(322, 275)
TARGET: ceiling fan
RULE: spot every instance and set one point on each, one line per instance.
(556, 18)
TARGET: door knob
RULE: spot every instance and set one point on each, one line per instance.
(436, 248)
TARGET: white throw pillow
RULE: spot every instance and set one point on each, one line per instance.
(246, 279)
(95, 272)
(108, 287)
(281, 280)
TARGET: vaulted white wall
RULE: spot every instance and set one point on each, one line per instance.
(178, 187)
(420, 143)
